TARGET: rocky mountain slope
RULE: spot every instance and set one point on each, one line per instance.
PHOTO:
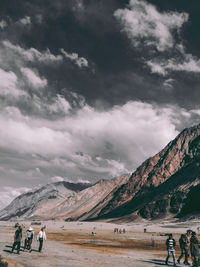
(41, 199)
(167, 184)
(63, 201)
(79, 206)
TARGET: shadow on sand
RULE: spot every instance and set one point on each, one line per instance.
(21, 250)
(8, 246)
(155, 261)
(8, 251)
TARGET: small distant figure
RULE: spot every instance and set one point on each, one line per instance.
(184, 245)
(92, 237)
(17, 239)
(120, 230)
(145, 230)
(41, 237)
(28, 239)
(124, 231)
(194, 249)
(116, 230)
(170, 244)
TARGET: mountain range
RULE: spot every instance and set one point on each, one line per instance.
(63, 200)
(166, 185)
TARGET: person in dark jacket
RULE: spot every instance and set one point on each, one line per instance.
(170, 244)
(17, 239)
(184, 246)
(194, 249)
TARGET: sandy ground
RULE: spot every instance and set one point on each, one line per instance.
(71, 244)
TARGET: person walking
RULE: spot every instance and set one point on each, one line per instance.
(29, 239)
(194, 249)
(41, 237)
(170, 244)
(184, 246)
(17, 239)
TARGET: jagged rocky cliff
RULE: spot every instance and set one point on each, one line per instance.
(167, 184)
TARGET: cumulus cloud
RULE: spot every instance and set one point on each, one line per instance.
(143, 23)
(23, 85)
(150, 29)
(74, 57)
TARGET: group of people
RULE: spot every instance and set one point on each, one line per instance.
(120, 231)
(29, 237)
(186, 245)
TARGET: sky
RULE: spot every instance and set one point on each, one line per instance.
(89, 89)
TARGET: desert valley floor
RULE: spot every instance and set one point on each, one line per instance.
(72, 244)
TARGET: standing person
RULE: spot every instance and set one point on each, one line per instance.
(41, 237)
(170, 244)
(17, 239)
(184, 245)
(29, 239)
(194, 249)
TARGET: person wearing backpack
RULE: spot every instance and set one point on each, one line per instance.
(170, 244)
(17, 239)
(41, 237)
(28, 239)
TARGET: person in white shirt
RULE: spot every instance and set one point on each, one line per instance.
(41, 237)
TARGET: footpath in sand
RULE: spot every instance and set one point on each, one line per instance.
(74, 245)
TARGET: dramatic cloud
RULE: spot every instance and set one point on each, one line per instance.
(144, 24)
(29, 88)
(92, 143)
(149, 28)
